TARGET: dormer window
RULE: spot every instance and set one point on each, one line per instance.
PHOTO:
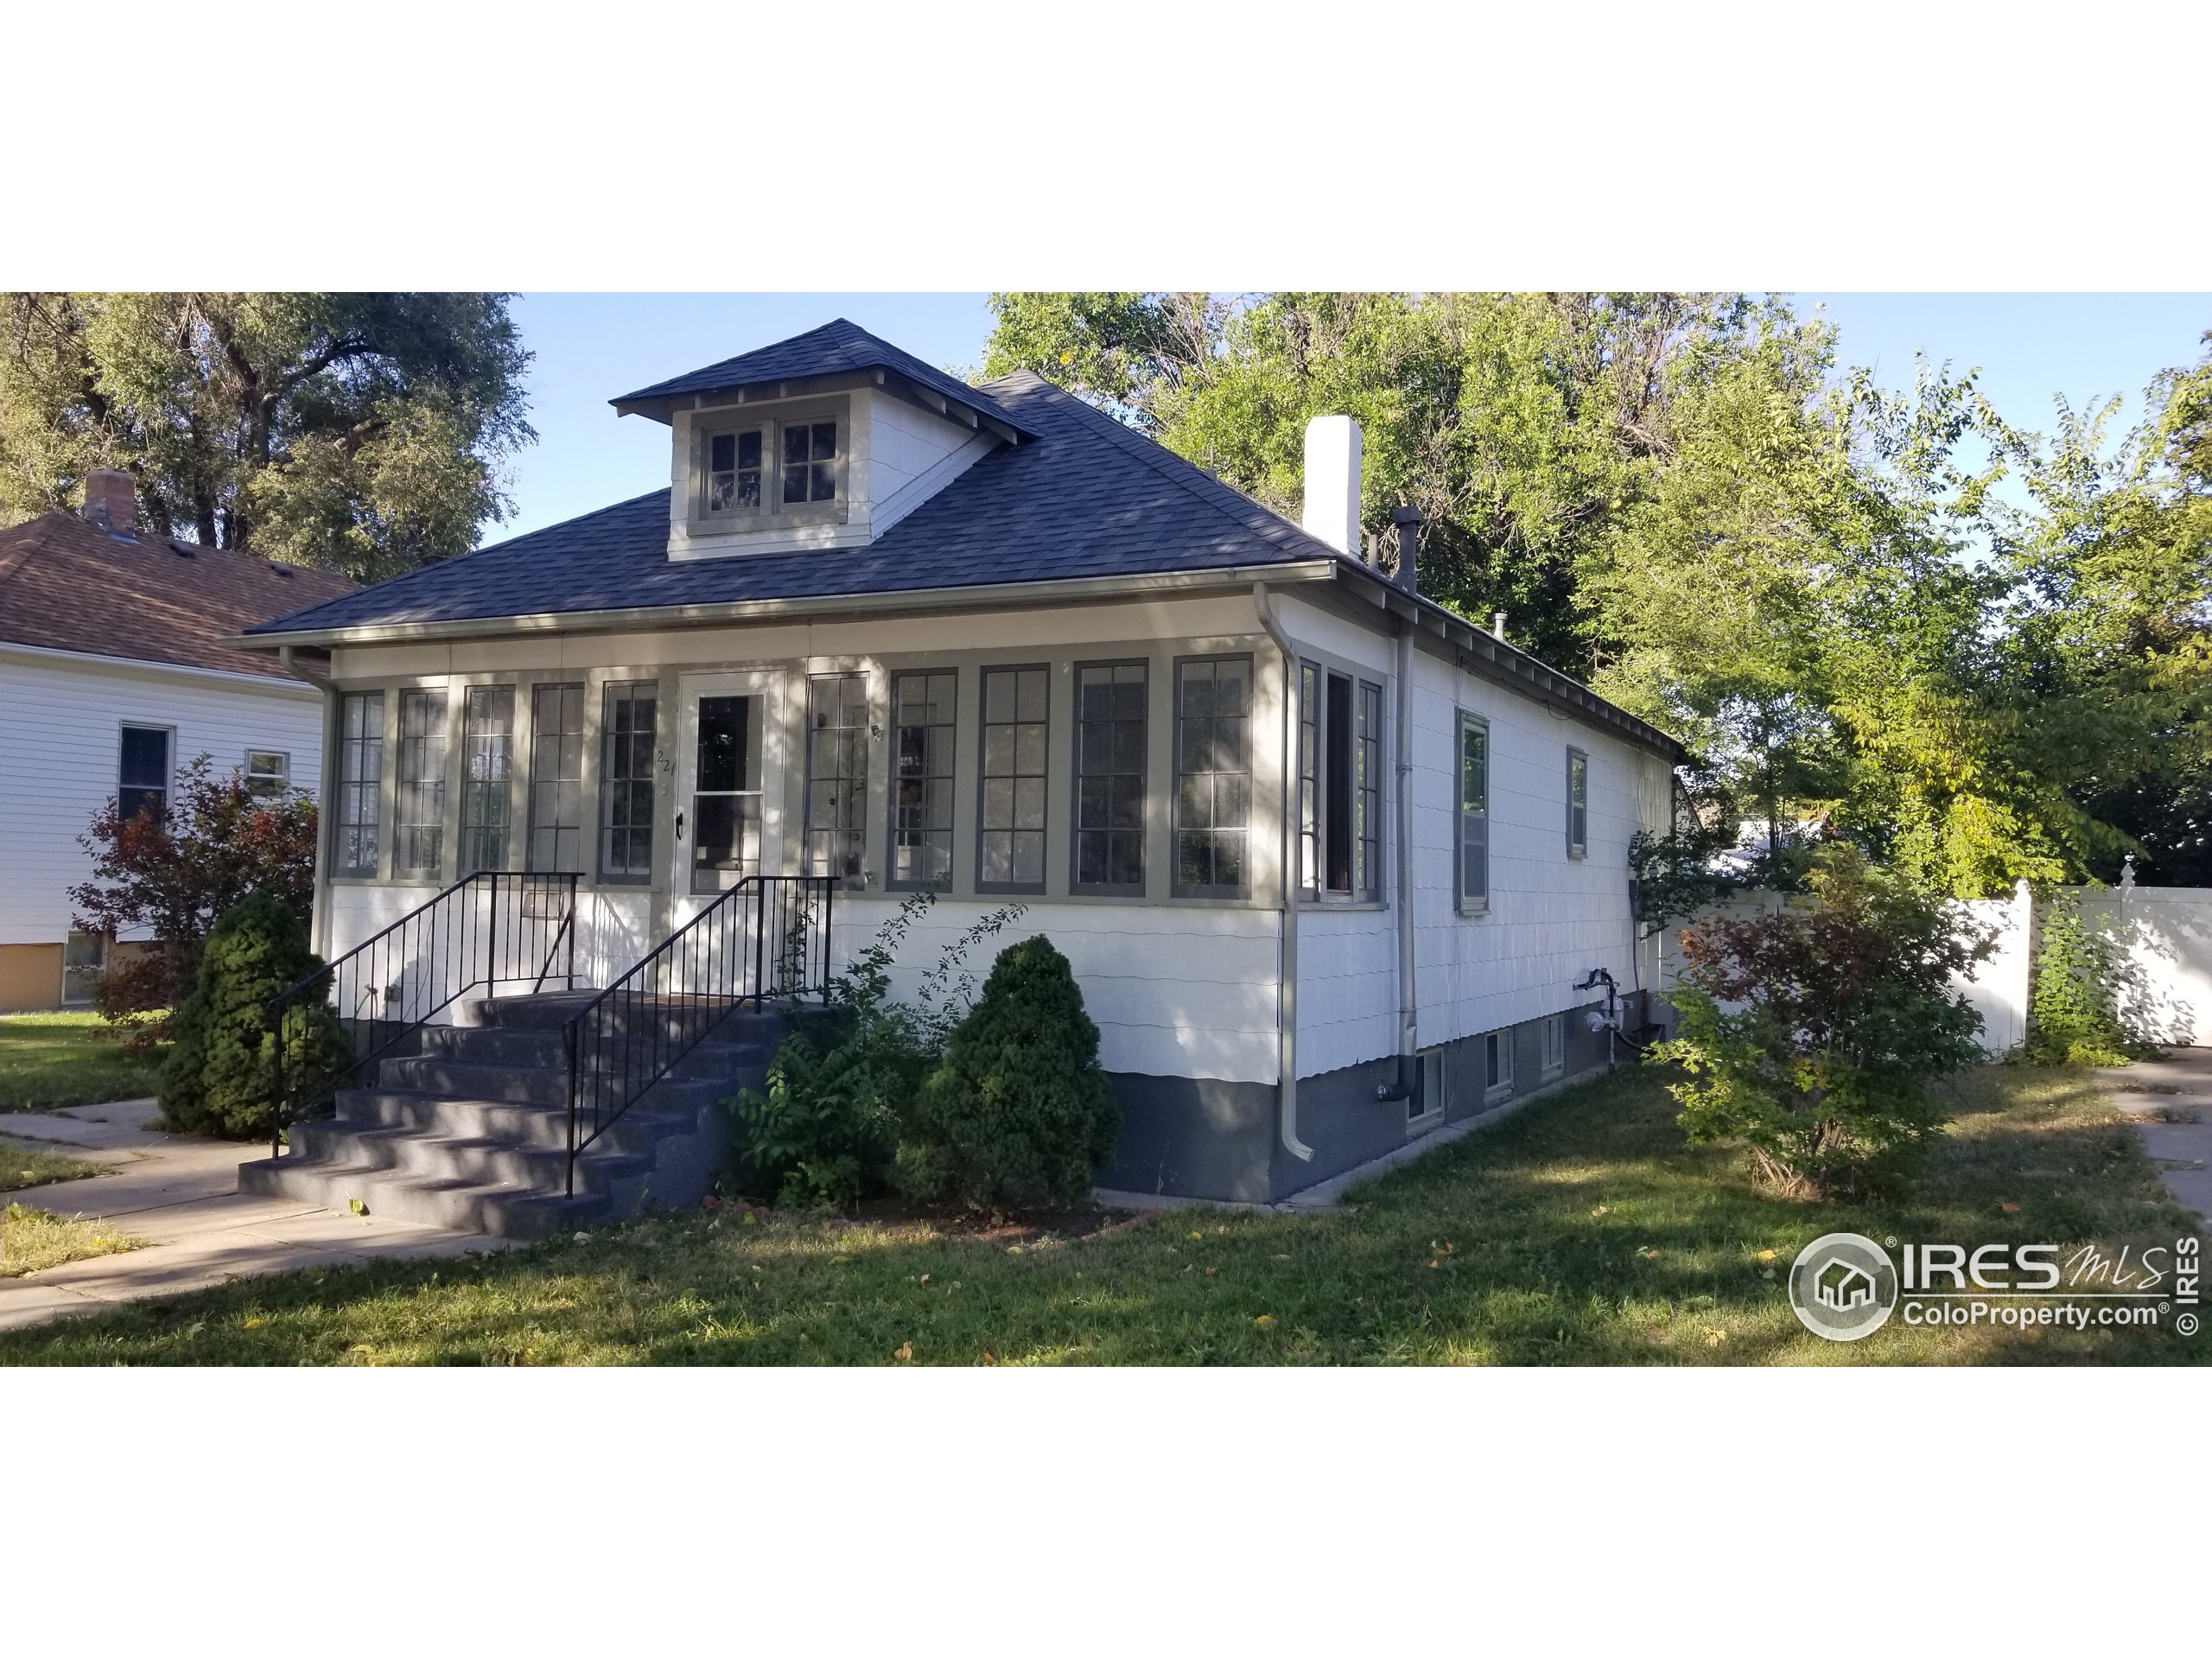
(810, 462)
(782, 466)
(734, 471)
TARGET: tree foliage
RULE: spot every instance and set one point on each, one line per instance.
(173, 873)
(361, 432)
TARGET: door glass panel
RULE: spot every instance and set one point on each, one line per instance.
(725, 799)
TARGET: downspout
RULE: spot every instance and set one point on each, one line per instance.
(1286, 968)
(1408, 520)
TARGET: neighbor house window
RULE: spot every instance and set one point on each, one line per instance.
(268, 773)
(1340, 785)
(1578, 804)
(556, 778)
(360, 779)
(626, 781)
(488, 766)
(1474, 813)
(1213, 776)
(83, 959)
(1497, 1064)
(419, 807)
(836, 775)
(141, 777)
(1011, 848)
(810, 462)
(1110, 777)
(734, 470)
(1554, 1045)
(922, 727)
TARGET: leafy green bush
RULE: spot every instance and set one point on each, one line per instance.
(221, 1076)
(2075, 1016)
(1812, 1034)
(823, 1132)
(1020, 1111)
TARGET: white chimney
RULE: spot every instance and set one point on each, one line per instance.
(1332, 512)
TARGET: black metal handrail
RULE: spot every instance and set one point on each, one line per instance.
(488, 929)
(766, 938)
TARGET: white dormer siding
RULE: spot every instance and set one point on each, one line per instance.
(893, 456)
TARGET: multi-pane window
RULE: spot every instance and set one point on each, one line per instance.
(1367, 875)
(419, 802)
(1012, 849)
(1213, 775)
(734, 471)
(1110, 777)
(922, 716)
(268, 773)
(1497, 1064)
(1578, 804)
(1554, 1045)
(1474, 813)
(142, 777)
(810, 462)
(556, 778)
(487, 765)
(1340, 785)
(626, 781)
(1309, 779)
(360, 774)
(836, 775)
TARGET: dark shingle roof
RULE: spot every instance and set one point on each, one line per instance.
(67, 585)
(837, 347)
(1088, 498)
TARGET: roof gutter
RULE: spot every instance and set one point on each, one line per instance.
(1287, 967)
(1006, 595)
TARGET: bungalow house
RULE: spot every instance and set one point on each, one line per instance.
(1334, 867)
(113, 675)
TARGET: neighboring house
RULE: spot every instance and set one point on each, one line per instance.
(908, 632)
(114, 675)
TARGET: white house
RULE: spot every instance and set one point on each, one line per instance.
(1334, 867)
(112, 676)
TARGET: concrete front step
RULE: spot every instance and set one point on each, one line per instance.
(518, 1121)
(481, 1160)
(503, 1212)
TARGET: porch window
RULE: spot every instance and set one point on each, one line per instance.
(1578, 804)
(141, 782)
(419, 811)
(626, 781)
(556, 778)
(922, 722)
(1110, 777)
(1213, 776)
(487, 768)
(1474, 813)
(268, 773)
(1014, 742)
(836, 775)
(360, 780)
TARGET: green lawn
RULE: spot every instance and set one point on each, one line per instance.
(1581, 1231)
(68, 1059)
(24, 1164)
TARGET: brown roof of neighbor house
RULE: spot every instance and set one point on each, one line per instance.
(68, 585)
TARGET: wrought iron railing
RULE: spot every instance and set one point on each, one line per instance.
(497, 927)
(765, 939)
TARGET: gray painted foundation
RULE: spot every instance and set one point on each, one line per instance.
(1196, 1138)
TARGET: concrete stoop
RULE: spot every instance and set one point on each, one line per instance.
(470, 1131)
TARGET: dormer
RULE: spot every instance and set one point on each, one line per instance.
(823, 440)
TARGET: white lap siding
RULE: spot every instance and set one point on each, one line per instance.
(60, 734)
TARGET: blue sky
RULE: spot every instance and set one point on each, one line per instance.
(591, 347)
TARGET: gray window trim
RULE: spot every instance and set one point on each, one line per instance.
(982, 748)
(1177, 887)
(891, 882)
(610, 690)
(1577, 848)
(1470, 904)
(1106, 889)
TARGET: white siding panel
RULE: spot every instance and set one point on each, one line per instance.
(60, 741)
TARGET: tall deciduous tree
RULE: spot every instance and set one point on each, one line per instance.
(357, 432)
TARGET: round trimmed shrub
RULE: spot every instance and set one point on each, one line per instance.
(1019, 1112)
(221, 1076)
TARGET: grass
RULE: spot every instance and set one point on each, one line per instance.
(1581, 1231)
(33, 1240)
(23, 1165)
(69, 1059)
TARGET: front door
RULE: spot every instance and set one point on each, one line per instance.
(730, 805)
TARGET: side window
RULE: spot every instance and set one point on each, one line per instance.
(836, 775)
(1309, 781)
(626, 781)
(556, 778)
(1474, 813)
(268, 773)
(1368, 814)
(1011, 848)
(1578, 804)
(360, 776)
(1213, 776)
(142, 775)
(1110, 777)
(923, 716)
(419, 805)
(1340, 785)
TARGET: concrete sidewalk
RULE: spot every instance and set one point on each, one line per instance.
(2170, 1102)
(179, 1194)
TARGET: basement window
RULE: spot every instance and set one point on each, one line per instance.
(1555, 1051)
(1497, 1064)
